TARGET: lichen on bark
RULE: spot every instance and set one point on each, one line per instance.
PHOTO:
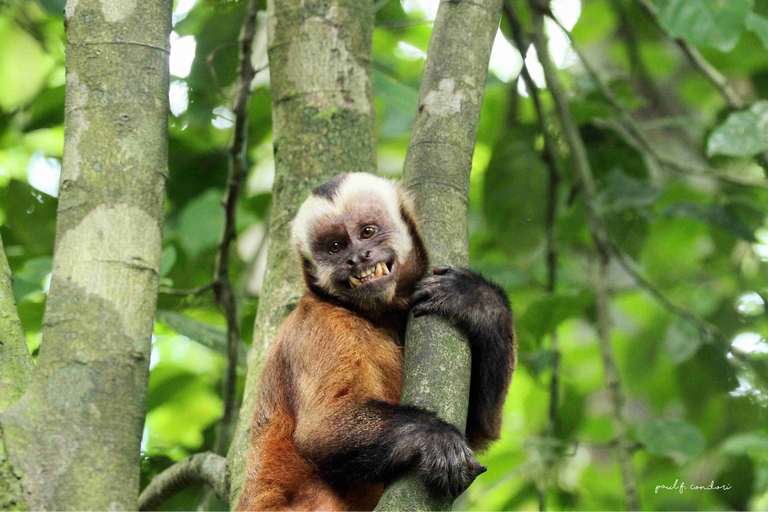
(72, 440)
(323, 124)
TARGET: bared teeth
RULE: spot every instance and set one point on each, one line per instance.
(379, 270)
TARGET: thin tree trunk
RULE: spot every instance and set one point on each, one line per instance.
(324, 124)
(437, 169)
(75, 434)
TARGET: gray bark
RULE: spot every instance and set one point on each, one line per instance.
(324, 124)
(16, 364)
(437, 169)
(204, 468)
(73, 438)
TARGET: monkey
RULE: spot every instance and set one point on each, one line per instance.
(329, 430)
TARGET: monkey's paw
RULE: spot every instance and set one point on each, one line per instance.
(459, 294)
(448, 463)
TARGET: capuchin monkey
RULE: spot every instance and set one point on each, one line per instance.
(329, 429)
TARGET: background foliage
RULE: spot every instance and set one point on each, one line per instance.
(697, 413)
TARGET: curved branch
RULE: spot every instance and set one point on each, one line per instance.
(202, 468)
(238, 168)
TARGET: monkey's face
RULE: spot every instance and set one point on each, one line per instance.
(357, 254)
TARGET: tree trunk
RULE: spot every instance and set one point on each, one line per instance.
(16, 364)
(437, 169)
(324, 124)
(74, 437)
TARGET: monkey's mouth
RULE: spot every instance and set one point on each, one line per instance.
(379, 271)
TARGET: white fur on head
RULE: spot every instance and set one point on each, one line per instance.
(317, 207)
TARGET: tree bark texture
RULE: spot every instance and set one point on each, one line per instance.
(324, 124)
(437, 169)
(16, 364)
(74, 437)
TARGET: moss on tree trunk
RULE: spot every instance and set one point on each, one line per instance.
(324, 124)
(74, 436)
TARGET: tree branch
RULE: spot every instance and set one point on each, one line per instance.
(732, 98)
(437, 169)
(552, 160)
(16, 364)
(188, 292)
(598, 231)
(238, 169)
(206, 468)
(638, 138)
(638, 67)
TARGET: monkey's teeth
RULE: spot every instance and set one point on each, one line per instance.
(384, 269)
(378, 272)
(354, 282)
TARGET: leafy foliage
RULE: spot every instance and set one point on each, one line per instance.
(697, 412)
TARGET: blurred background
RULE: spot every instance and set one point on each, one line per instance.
(696, 234)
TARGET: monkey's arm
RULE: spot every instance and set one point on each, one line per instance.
(481, 309)
(373, 441)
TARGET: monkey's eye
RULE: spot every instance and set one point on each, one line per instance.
(335, 247)
(367, 232)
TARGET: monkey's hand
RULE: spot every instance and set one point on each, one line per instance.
(462, 296)
(447, 460)
(480, 309)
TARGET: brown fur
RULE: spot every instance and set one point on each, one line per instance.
(329, 360)
(345, 359)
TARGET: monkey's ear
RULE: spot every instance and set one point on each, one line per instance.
(406, 201)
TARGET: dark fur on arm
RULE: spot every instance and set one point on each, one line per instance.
(375, 441)
(481, 309)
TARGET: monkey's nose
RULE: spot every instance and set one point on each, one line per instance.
(365, 255)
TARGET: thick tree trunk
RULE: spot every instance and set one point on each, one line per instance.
(74, 437)
(324, 124)
(437, 169)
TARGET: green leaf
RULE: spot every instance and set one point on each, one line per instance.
(545, 314)
(201, 223)
(207, 335)
(30, 278)
(168, 260)
(714, 215)
(400, 99)
(515, 191)
(743, 133)
(30, 217)
(625, 193)
(671, 438)
(759, 25)
(55, 7)
(717, 23)
(682, 341)
(751, 443)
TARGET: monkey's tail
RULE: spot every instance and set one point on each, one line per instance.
(276, 471)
